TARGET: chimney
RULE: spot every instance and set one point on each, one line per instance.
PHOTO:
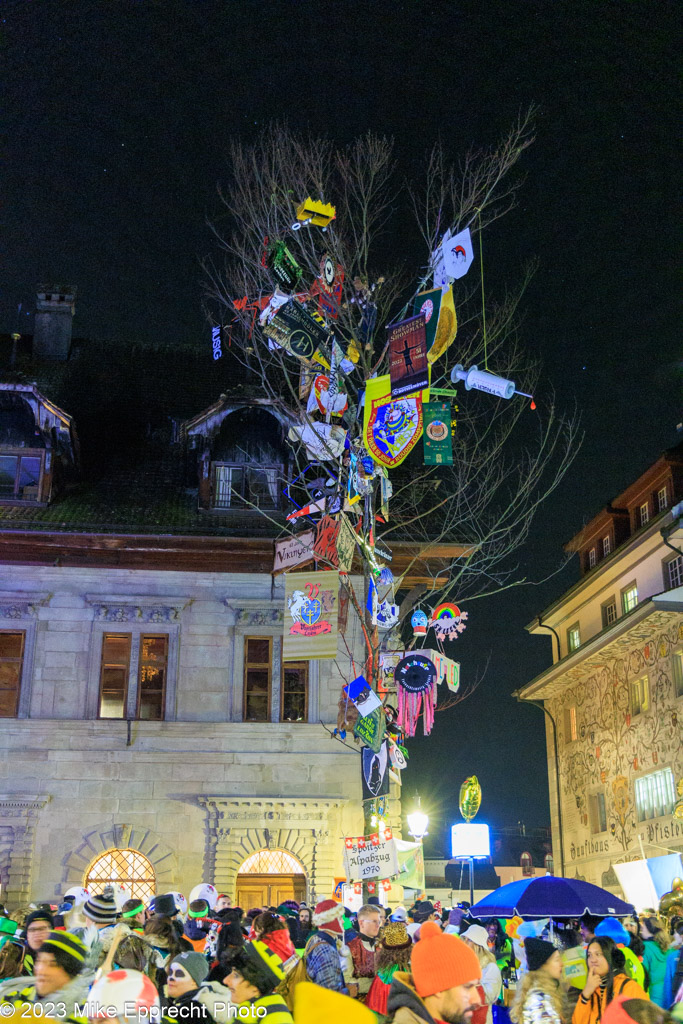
(52, 331)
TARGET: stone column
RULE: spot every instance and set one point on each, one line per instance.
(19, 817)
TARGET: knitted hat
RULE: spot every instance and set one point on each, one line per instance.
(373, 901)
(164, 904)
(101, 909)
(198, 908)
(440, 962)
(395, 936)
(316, 1005)
(328, 915)
(422, 911)
(614, 930)
(68, 951)
(476, 934)
(400, 914)
(259, 966)
(38, 915)
(537, 951)
(195, 964)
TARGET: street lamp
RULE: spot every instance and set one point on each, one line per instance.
(418, 822)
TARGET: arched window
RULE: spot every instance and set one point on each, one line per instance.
(271, 862)
(549, 863)
(527, 864)
(129, 868)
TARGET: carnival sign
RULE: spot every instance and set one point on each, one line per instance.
(293, 551)
(375, 774)
(438, 442)
(372, 860)
(391, 428)
(408, 356)
(371, 729)
(447, 671)
(311, 607)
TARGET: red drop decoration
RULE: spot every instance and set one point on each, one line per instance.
(533, 404)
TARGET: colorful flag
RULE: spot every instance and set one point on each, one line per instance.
(391, 429)
(438, 441)
(311, 605)
(408, 356)
(429, 303)
(295, 329)
(446, 328)
(375, 774)
(457, 253)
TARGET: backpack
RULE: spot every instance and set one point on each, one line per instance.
(11, 959)
(295, 971)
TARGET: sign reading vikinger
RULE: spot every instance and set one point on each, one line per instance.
(378, 861)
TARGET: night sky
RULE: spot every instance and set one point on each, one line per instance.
(118, 116)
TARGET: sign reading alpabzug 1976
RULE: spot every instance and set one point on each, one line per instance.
(379, 861)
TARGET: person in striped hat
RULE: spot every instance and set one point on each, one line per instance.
(256, 973)
(99, 913)
(60, 984)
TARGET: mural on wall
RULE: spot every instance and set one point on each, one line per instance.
(614, 744)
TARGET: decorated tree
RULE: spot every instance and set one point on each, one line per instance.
(414, 456)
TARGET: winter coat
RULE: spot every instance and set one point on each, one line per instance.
(195, 935)
(538, 1008)
(654, 959)
(323, 961)
(276, 1011)
(216, 998)
(492, 984)
(361, 968)
(404, 1002)
(73, 995)
(16, 959)
(376, 999)
(673, 977)
(592, 1010)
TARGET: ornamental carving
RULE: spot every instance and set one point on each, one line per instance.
(21, 606)
(114, 608)
(260, 617)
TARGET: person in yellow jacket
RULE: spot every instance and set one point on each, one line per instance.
(316, 1005)
(607, 979)
(255, 974)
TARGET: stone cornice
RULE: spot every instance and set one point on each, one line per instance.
(19, 806)
(20, 604)
(254, 612)
(145, 608)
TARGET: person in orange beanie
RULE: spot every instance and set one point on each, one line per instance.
(442, 985)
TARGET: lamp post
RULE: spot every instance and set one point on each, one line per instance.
(417, 824)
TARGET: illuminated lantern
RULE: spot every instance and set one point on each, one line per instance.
(470, 797)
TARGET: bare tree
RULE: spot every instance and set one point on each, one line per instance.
(507, 461)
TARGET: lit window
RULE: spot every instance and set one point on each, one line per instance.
(662, 499)
(527, 864)
(549, 863)
(20, 476)
(570, 730)
(606, 546)
(591, 558)
(246, 486)
(258, 659)
(675, 571)
(597, 813)
(655, 794)
(677, 672)
(573, 638)
(644, 513)
(116, 682)
(122, 867)
(11, 662)
(609, 613)
(640, 695)
(629, 598)
(294, 704)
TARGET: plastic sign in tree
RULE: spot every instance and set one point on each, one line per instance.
(314, 212)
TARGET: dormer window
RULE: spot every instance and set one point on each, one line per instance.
(246, 486)
(606, 546)
(644, 513)
(591, 558)
(20, 474)
(527, 865)
(662, 499)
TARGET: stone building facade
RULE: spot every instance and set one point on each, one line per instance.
(196, 793)
(614, 694)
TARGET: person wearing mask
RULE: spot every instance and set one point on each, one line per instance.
(59, 984)
(187, 986)
(607, 979)
(323, 949)
(360, 970)
(162, 935)
(539, 997)
(256, 973)
(18, 954)
(656, 945)
(442, 983)
(476, 938)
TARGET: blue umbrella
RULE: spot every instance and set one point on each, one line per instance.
(549, 896)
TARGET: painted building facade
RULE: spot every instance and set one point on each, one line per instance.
(614, 694)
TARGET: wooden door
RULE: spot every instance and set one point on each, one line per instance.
(269, 890)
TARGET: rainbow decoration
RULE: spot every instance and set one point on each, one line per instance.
(448, 621)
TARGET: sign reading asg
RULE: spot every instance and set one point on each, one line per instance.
(216, 342)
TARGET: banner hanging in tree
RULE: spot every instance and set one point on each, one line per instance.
(447, 671)
(408, 367)
(438, 441)
(391, 429)
(297, 330)
(311, 607)
(446, 328)
(429, 303)
(346, 545)
(371, 729)
(326, 541)
(375, 771)
(457, 253)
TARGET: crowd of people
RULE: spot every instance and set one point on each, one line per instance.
(91, 958)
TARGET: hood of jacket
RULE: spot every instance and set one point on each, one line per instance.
(216, 998)
(75, 991)
(403, 997)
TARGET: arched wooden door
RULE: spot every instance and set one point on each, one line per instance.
(268, 877)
